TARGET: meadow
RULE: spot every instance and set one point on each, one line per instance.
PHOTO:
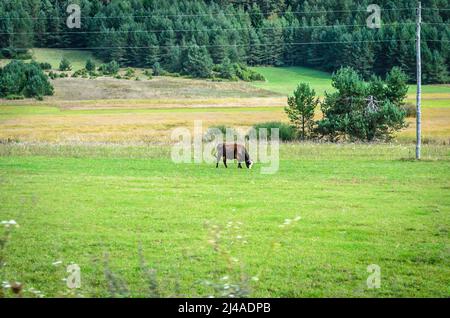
(359, 205)
(88, 177)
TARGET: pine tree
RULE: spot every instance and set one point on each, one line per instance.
(437, 73)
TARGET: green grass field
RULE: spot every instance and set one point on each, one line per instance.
(90, 181)
(359, 205)
(284, 80)
(53, 56)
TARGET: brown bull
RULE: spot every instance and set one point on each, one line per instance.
(233, 152)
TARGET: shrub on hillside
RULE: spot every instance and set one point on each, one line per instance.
(45, 66)
(227, 70)
(246, 74)
(157, 70)
(90, 65)
(80, 73)
(24, 79)
(53, 75)
(111, 68)
(65, 65)
(129, 73)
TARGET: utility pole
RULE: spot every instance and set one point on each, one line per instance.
(419, 83)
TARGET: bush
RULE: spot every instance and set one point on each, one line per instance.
(83, 72)
(148, 73)
(18, 78)
(227, 71)
(286, 131)
(53, 75)
(157, 69)
(65, 65)
(111, 68)
(212, 131)
(45, 66)
(130, 72)
(410, 110)
(90, 65)
(246, 74)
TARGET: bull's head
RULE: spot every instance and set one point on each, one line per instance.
(249, 164)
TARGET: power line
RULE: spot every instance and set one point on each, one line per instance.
(436, 9)
(223, 45)
(192, 15)
(108, 31)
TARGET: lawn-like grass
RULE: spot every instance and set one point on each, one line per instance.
(53, 56)
(284, 80)
(359, 205)
(77, 58)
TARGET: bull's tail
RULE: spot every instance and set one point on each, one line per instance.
(218, 151)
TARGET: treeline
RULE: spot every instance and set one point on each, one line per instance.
(196, 36)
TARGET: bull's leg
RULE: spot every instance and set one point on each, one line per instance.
(240, 165)
(219, 156)
(225, 162)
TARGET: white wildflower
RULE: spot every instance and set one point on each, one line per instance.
(10, 223)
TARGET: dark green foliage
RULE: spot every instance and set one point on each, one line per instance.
(21, 79)
(361, 110)
(65, 65)
(129, 73)
(157, 70)
(227, 70)
(53, 75)
(436, 70)
(45, 66)
(286, 132)
(90, 65)
(80, 73)
(246, 32)
(301, 108)
(197, 62)
(246, 74)
(111, 68)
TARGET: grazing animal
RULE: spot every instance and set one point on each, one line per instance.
(233, 152)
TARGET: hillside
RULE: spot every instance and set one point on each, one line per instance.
(284, 80)
(203, 38)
